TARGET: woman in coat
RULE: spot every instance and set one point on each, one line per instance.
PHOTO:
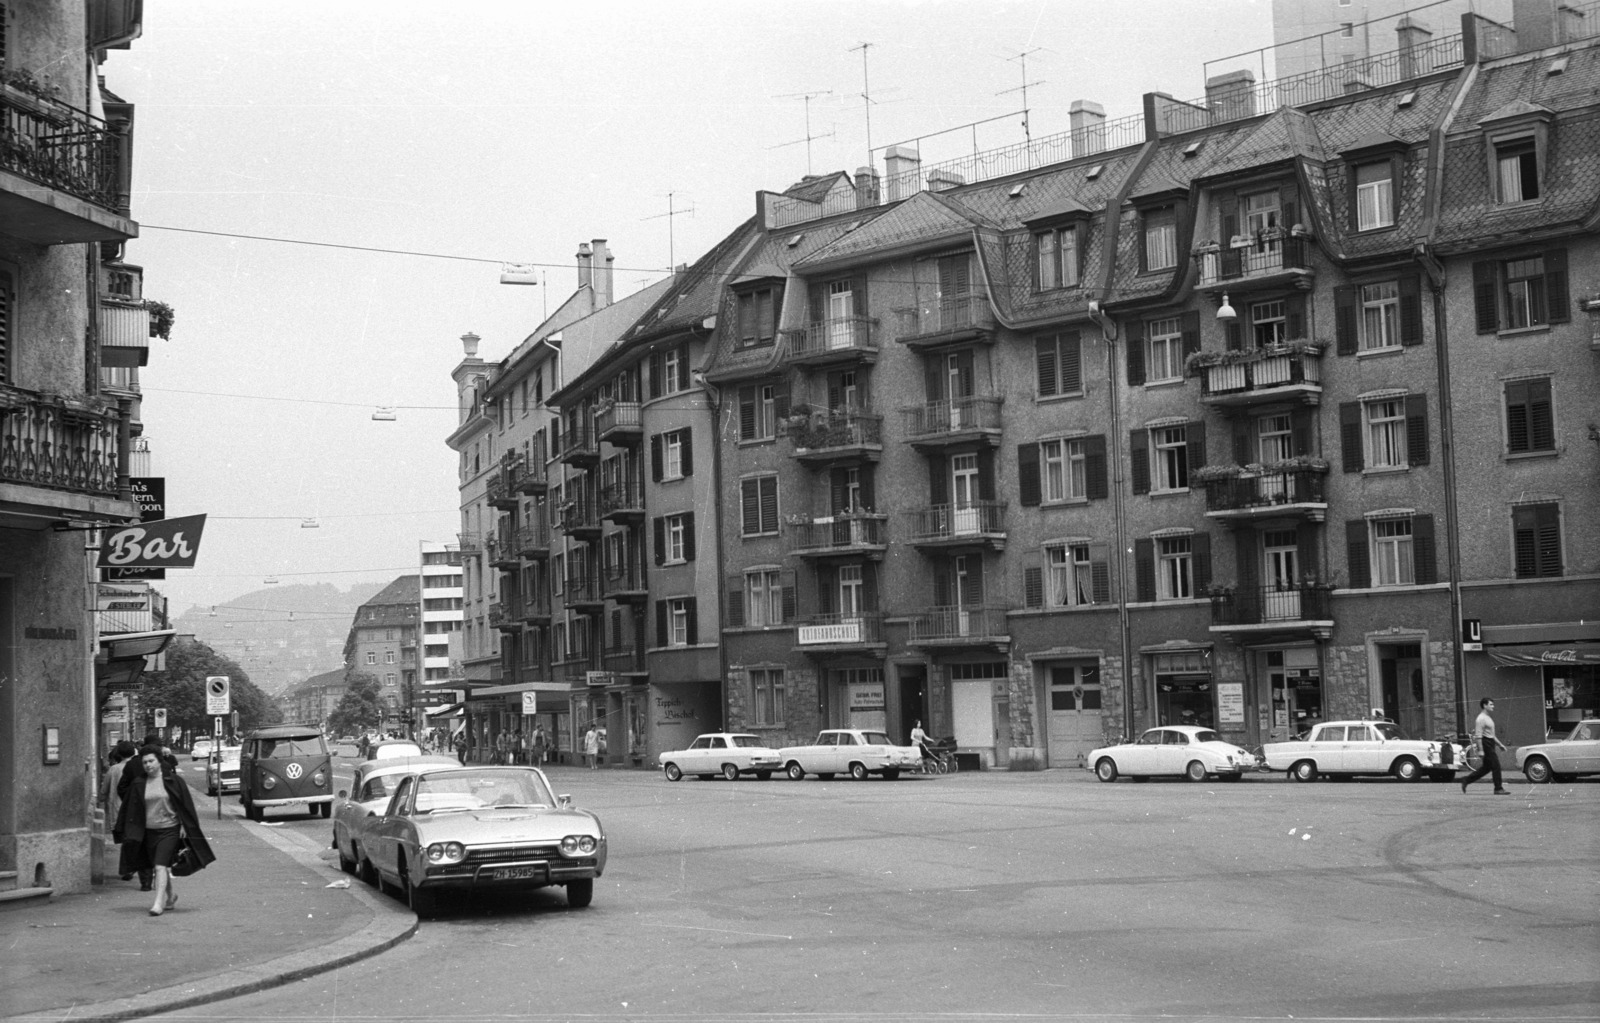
(156, 809)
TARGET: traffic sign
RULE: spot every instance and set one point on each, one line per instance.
(161, 717)
(217, 695)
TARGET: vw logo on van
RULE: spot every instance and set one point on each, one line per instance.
(294, 771)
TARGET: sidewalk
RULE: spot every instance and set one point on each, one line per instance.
(262, 915)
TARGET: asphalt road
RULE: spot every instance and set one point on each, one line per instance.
(1042, 895)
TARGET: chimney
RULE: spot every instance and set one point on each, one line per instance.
(866, 187)
(1572, 22)
(585, 266)
(1535, 22)
(1088, 127)
(1231, 97)
(944, 180)
(603, 260)
(1415, 57)
(903, 169)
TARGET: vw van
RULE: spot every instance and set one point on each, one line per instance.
(284, 765)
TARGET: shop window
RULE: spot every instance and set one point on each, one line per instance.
(1183, 688)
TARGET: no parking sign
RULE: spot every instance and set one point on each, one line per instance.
(217, 695)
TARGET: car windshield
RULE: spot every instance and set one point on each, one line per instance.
(1206, 735)
(291, 746)
(472, 790)
(746, 740)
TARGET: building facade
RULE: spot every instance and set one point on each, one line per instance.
(382, 642)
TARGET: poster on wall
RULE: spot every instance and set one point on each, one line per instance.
(1230, 703)
(865, 696)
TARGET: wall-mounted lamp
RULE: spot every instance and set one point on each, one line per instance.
(1226, 312)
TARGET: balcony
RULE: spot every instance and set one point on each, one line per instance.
(625, 661)
(1247, 495)
(503, 616)
(470, 543)
(622, 502)
(578, 519)
(954, 320)
(503, 554)
(979, 525)
(533, 541)
(1302, 609)
(81, 162)
(943, 424)
(1273, 261)
(124, 333)
(58, 443)
(575, 670)
(963, 625)
(531, 478)
(860, 632)
(619, 423)
(583, 594)
(851, 534)
(1261, 376)
(847, 339)
(497, 490)
(837, 436)
(624, 583)
(578, 446)
(535, 609)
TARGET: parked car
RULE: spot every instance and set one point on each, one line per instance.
(384, 749)
(368, 795)
(726, 753)
(222, 770)
(1348, 748)
(858, 751)
(201, 749)
(489, 829)
(1561, 759)
(284, 765)
(1179, 751)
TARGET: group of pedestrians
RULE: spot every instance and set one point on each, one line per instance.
(153, 819)
(532, 747)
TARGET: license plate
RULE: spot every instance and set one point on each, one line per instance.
(513, 873)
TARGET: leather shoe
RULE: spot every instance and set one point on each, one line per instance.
(1502, 792)
(1463, 788)
(147, 888)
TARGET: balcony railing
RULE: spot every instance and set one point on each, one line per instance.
(503, 553)
(952, 522)
(1266, 490)
(534, 608)
(531, 477)
(503, 615)
(835, 432)
(622, 500)
(63, 148)
(625, 660)
(582, 589)
(954, 314)
(579, 446)
(578, 516)
(839, 629)
(497, 490)
(624, 579)
(533, 539)
(1265, 369)
(1261, 605)
(618, 421)
(469, 543)
(842, 532)
(124, 333)
(840, 338)
(57, 443)
(952, 416)
(958, 624)
(1257, 259)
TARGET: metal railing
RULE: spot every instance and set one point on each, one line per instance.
(579, 442)
(1262, 604)
(950, 522)
(975, 622)
(834, 629)
(1269, 255)
(530, 477)
(58, 443)
(952, 415)
(1265, 369)
(947, 315)
(836, 430)
(839, 532)
(581, 588)
(618, 415)
(1266, 489)
(627, 495)
(627, 575)
(577, 514)
(533, 536)
(62, 148)
(124, 324)
(843, 334)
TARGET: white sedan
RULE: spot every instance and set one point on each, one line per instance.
(729, 754)
(1348, 748)
(1561, 759)
(1181, 751)
(367, 796)
(859, 752)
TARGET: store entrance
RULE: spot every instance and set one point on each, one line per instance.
(1404, 694)
(1291, 691)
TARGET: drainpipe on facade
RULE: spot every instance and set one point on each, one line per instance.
(713, 395)
(1108, 334)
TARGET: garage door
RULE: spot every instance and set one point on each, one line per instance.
(1074, 719)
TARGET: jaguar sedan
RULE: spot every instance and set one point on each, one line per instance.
(726, 753)
(1578, 753)
(858, 752)
(483, 829)
(1179, 751)
(367, 797)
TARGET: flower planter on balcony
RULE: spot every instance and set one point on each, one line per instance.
(836, 435)
(1253, 376)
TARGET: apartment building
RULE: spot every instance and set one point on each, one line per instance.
(312, 701)
(382, 642)
(437, 656)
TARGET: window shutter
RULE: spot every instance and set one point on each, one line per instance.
(986, 474)
(827, 580)
(780, 400)
(769, 504)
(1028, 489)
(686, 438)
(655, 457)
(1247, 553)
(688, 536)
(1189, 325)
(750, 506)
(1070, 352)
(1241, 442)
(1144, 570)
(789, 612)
(1555, 286)
(1424, 553)
(1350, 436)
(1195, 445)
(1286, 218)
(1139, 456)
(683, 368)
(661, 539)
(693, 624)
(1200, 548)
(747, 413)
(1033, 586)
(1100, 574)
(1229, 261)
(938, 480)
(1417, 429)
(941, 587)
(661, 623)
(1300, 432)
(1549, 525)
(1541, 422)
(1044, 356)
(869, 493)
(1135, 357)
(1517, 439)
(858, 296)
(1094, 468)
(657, 364)
(1355, 539)
(1346, 332)
(1410, 310)
(817, 300)
(966, 374)
(1485, 284)
(1309, 553)
(736, 600)
(1294, 315)
(933, 379)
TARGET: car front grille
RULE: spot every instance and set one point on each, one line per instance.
(504, 853)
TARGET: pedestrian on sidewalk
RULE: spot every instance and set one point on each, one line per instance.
(538, 745)
(591, 746)
(1483, 731)
(157, 811)
(121, 753)
(461, 746)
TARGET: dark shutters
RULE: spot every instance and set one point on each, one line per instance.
(1300, 425)
(1135, 355)
(986, 474)
(747, 413)
(655, 457)
(1242, 448)
(1294, 317)
(686, 439)
(1070, 351)
(938, 480)
(1346, 324)
(1058, 364)
(788, 592)
(1096, 487)
(683, 368)
(1556, 299)
(1417, 429)
(1033, 586)
(1195, 445)
(1200, 549)
(1144, 570)
(1044, 359)
(692, 624)
(1100, 573)
(750, 506)
(1189, 325)
(1537, 534)
(660, 528)
(1350, 436)
(1028, 484)
(735, 601)
(661, 623)
(1139, 456)
(1424, 552)
(1485, 295)
(688, 536)
(657, 368)
(1529, 423)
(769, 504)
(1356, 554)
(1410, 310)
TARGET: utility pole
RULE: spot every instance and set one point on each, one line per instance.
(1022, 58)
(672, 259)
(808, 97)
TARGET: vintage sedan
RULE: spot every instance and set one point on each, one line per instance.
(222, 770)
(729, 754)
(201, 749)
(387, 749)
(368, 796)
(1348, 748)
(1180, 751)
(858, 752)
(1561, 759)
(484, 829)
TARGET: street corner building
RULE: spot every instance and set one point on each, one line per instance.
(1268, 407)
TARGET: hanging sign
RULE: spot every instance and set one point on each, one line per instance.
(165, 543)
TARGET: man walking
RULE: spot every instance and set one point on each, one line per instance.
(1483, 731)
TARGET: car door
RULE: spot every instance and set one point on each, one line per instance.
(1362, 751)
(381, 837)
(1580, 753)
(1140, 758)
(693, 760)
(828, 755)
(1173, 753)
(1327, 747)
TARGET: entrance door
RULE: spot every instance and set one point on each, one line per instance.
(914, 699)
(1275, 443)
(964, 493)
(967, 575)
(1403, 691)
(1279, 573)
(1074, 725)
(973, 706)
(1002, 726)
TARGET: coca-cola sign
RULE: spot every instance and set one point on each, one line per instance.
(164, 543)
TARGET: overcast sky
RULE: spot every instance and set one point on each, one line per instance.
(507, 132)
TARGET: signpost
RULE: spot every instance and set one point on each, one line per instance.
(219, 703)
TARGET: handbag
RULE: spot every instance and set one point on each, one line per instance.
(187, 860)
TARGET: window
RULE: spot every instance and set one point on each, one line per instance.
(763, 597)
(677, 533)
(1057, 254)
(1529, 290)
(766, 696)
(678, 615)
(758, 323)
(1064, 470)
(1160, 239)
(759, 412)
(1524, 297)
(1170, 447)
(1274, 438)
(1391, 553)
(558, 573)
(1160, 457)
(390, 679)
(1391, 549)
(1261, 219)
(1058, 364)
(1347, 29)
(1174, 569)
(372, 657)
(1164, 350)
(1536, 530)
(1529, 423)
(1386, 434)
(1516, 164)
(1269, 323)
(388, 657)
(1374, 196)
(671, 455)
(1380, 315)
(1069, 575)
(759, 505)
(669, 371)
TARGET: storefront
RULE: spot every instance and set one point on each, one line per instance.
(980, 708)
(1183, 686)
(1543, 678)
(1288, 691)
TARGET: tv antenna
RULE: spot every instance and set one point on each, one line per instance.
(866, 92)
(807, 97)
(672, 212)
(1022, 58)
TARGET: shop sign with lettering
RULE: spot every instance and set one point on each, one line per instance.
(166, 543)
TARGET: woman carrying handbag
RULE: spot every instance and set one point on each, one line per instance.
(158, 819)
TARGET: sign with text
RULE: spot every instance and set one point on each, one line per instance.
(150, 495)
(218, 695)
(165, 543)
(1230, 703)
(866, 696)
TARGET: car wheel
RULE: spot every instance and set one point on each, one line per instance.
(211, 789)
(858, 771)
(730, 772)
(346, 864)
(1537, 770)
(825, 775)
(580, 892)
(674, 772)
(364, 868)
(1407, 769)
(763, 775)
(421, 901)
(1105, 769)
(1196, 771)
(794, 771)
(1304, 770)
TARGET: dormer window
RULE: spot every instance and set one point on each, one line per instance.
(1516, 140)
(758, 315)
(1056, 251)
(1516, 170)
(1374, 195)
(1160, 236)
(1372, 173)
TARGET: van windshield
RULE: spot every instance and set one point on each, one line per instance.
(291, 746)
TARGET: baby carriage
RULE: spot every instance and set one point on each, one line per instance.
(939, 756)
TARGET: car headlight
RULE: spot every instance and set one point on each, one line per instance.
(446, 852)
(269, 782)
(578, 845)
(319, 779)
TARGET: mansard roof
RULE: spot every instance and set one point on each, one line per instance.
(925, 220)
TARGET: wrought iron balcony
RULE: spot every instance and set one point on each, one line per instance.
(940, 424)
(960, 625)
(1304, 606)
(1269, 261)
(979, 524)
(833, 436)
(624, 582)
(578, 446)
(622, 501)
(531, 478)
(578, 518)
(619, 423)
(844, 339)
(828, 633)
(503, 554)
(59, 443)
(470, 543)
(955, 318)
(848, 533)
(1291, 372)
(82, 163)
(628, 660)
(534, 609)
(583, 592)
(124, 333)
(1268, 492)
(533, 540)
(503, 616)
(497, 490)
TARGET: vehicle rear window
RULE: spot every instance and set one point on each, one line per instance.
(1207, 736)
(877, 738)
(747, 740)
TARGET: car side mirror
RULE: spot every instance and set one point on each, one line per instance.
(564, 801)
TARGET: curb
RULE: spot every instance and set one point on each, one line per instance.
(389, 927)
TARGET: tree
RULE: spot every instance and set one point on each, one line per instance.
(181, 689)
(360, 708)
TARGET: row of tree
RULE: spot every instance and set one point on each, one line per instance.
(181, 689)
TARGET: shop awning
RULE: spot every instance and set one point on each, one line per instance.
(1523, 655)
(523, 687)
(448, 711)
